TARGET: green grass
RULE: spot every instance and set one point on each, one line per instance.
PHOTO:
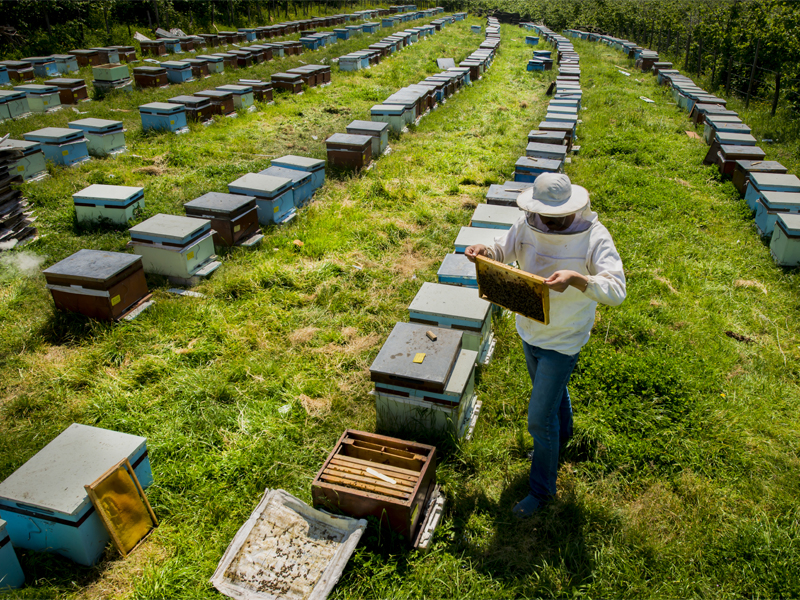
(682, 477)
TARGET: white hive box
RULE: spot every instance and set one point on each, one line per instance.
(182, 248)
(66, 147)
(314, 166)
(453, 307)
(785, 243)
(115, 203)
(436, 395)
(493, 216)
(378, 131)
(103, 136)
(11, 575)
(44, 503)
(393, 114)
(457, 269)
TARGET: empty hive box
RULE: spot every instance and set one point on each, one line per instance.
(163, 116)
(13, 104)
(493, 216)
(349, 151)
(242, 95)
(44, 503)
(378, 131)
(373, 475)
(425, 385)
(197, 108)
(104, 137)
(100, 285)
(65, 147)
(41, 98)
(71, 91)
(274, 196)
(457, 269)
(114, 203)
(181, 248)
(146, 77)
(457, 308)
(785, 243)
(314, 166)
(233, 217)
(32, 164)
(301, 183)
(221, 101)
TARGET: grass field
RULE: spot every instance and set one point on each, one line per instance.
(682, 477)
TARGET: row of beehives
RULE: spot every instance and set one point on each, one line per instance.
(112, 285)
(16, 221)
(770, 191)
(109, 74)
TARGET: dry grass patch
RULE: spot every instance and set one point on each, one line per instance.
(302, 336)
(658, 509)
(316, 407)
(410, 261)
(119, 576)
(750, 283)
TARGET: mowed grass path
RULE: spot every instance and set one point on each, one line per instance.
(682, 477)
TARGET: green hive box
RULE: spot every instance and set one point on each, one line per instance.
(115, 203)
(41, 98)
(103, 136)
(110, 72)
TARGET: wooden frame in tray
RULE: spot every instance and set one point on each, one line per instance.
(518, 291)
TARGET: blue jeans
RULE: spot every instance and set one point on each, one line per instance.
(549, 414)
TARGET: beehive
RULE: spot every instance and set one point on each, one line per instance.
(65, 147)
(110, 72)
(104, 137)
(457, 269)
(314, 166)
(32, 164)
(221, 101)
(424, 386)
(199, 67)
(373, 475)
(728, 139)
(301, 183)
(551, 151)
(44, 503)
(244, 58)
(66, 63)
(126, 53)
(785, 243)
(291, 82)
(216, 64)
(460, 308)
(242, 95)
(13, 104)
(506, 194)
(115, 203)
(5, 79)
(178, 71)
(274, 196)
(769, 182)
(41, 98)
(197, 108)
(391, 114)
(108, 55)
(147, 77)
(469, 236)
(527, 168)
(11, 575)
(347, 151)
(182, 248)
(163, 116)
(770, 204)
(262, 90)
(70, 91)
(99, 285)
(173, 45)
(728, 155)
(86, 57)
(514, 289)
(743, 168)
(233, 217)
(43, 66)
(378, 131)
(492, 216)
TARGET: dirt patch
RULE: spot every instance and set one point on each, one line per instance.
(355, 345)
(666, 282)
(316, 407)
(302, 336)
(737, 371)
(410, 262)
(750, 283)
(739, 337)
(151, 170)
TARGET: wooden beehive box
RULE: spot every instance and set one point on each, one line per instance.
(518, 291)
(374, 475)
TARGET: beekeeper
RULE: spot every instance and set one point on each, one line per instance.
(558, 238)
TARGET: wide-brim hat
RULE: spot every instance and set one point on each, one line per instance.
(553, 195)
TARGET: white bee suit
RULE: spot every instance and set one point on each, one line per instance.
(585, 247)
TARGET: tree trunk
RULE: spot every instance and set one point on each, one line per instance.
(730, 72)
(688, 46)
(777, 93)
(105, 20)
(155, 10)
(700, 57)
(47, 20)
(752, 75)
(714, 68)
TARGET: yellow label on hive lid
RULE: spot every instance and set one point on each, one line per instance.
(419, 357)
(115, 300)
(64, 152)
(276, 209)
(190, 256)
(237, 228)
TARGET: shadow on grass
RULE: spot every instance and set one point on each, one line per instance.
(45, 570)
(71, 329)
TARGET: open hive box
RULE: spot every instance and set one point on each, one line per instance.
(387, 478)
(514, 289)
